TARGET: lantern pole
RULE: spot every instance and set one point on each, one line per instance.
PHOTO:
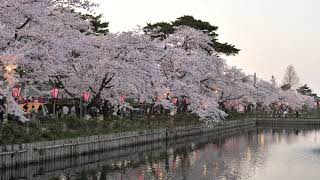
(85, 109)
(80, 108)
(85, 97)
(54, 94)
(54, 107)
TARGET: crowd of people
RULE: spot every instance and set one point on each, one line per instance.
(39, 111)
(61, 111)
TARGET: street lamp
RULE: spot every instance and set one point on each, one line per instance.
(54, 95)
(16, 92)
(9, 69)
(86, 98)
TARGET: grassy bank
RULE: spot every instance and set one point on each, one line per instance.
(71, 127)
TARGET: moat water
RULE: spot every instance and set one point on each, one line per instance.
(255, 154)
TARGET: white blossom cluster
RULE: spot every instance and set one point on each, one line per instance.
(46, 40)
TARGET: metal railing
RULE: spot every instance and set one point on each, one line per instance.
(306, 114)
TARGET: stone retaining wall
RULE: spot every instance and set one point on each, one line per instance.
(22, 154)
(72, 166)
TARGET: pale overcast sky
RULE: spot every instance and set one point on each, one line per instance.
(271, 33)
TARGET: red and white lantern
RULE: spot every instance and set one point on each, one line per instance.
(86, 97)
(55, 93)
(16, 92)
(122, 99)
(175, 101)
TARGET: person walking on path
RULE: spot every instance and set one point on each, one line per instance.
(73, 111)
(65, 111)
(297, 113)
(59, 112)
(1, 113)
(45, 110)
(33, 114)
(40, 110)
(25, 107)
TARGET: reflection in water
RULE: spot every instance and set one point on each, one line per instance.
(260, 154)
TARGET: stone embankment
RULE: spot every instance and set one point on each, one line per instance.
(22, 154)
(25, 153)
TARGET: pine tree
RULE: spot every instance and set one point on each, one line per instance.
(98, 27)
(307, 91)
(163, 29)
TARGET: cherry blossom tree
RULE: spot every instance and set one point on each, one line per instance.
(42, 44)
(189, 68)
(31, 32)
(191, 72)
(110, 67)
(294, 100)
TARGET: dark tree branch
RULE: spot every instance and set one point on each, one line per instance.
(104, 83)
(16, 31)
(231, 99)
(21, 27)
(93, 91)
(24, 24)
(63, 87)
